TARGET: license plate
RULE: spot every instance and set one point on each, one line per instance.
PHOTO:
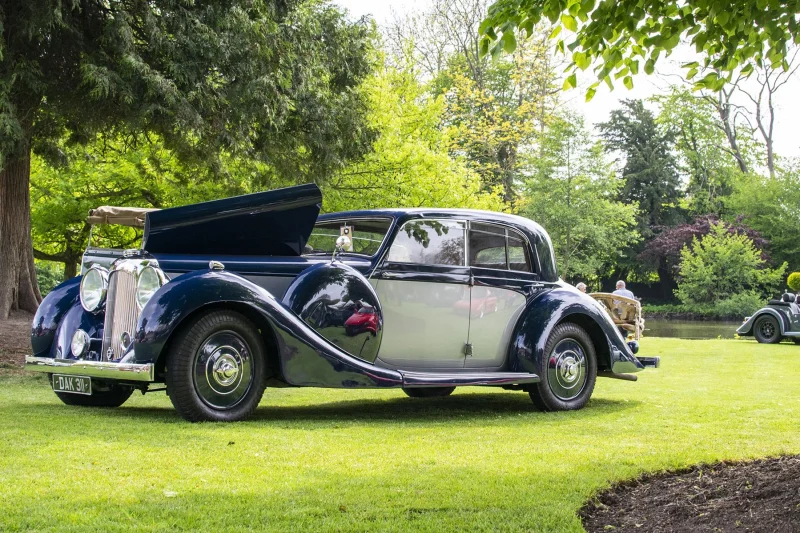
(73, 384)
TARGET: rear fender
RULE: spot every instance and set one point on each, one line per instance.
(545, 312)
(306, 358)
(783, 321)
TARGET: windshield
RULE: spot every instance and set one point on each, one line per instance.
(366, 235)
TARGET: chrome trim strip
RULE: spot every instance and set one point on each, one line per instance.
(95, 369)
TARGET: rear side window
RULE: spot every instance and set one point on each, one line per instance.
(498, 247)
(429, 242)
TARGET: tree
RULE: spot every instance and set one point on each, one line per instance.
(702, 147)
(624, 36)
(769, 80)
(573, 193)
(272, 80)
(665, 248)
(772, 207)
(722, 264)
(650, 179)
(115, 171)
(496, 109)
(409, 164)
(649, 172)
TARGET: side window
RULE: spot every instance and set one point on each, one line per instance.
(518, 255)
(487, 246)
(497, 247)
(429, 242)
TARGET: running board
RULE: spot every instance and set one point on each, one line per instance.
(415, 380)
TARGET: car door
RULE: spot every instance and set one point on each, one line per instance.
(423, 286)
(502, 273)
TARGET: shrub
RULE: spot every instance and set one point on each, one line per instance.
(739, 305)
(721, 265)
(794, 281)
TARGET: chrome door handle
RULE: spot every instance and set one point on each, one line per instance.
(390, 275)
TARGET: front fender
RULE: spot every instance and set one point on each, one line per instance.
(544, 312)
(50, 314)
(746, 329)
(306, 358)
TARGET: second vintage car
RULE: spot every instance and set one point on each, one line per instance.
(226, 298)
(779, 320)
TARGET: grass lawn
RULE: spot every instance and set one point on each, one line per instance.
(330, 460)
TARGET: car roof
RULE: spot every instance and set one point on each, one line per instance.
(525, 224)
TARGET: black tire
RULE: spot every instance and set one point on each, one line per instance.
(430, 392)
(568, 370)
(796, 340)
(216, 368)
(766, 330)
(103, 395)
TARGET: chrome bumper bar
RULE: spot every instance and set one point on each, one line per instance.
(95, 369)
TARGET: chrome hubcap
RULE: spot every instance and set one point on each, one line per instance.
(223, 370)
(566, 369)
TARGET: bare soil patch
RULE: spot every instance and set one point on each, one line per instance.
(762, 495)
(15, 341)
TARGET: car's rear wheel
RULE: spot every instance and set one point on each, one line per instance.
(103, 395)
(430, 392)
(216, 368)
(568, 370)
(766, 330)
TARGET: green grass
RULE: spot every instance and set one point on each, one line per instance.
(330, 460)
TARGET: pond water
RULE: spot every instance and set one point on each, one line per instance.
(690, 329)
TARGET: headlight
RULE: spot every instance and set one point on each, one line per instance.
(93, 288)
(80, 343)
(149, 283)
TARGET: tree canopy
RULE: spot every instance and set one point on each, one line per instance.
(625, 36)
(269, 80)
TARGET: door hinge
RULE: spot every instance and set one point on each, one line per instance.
(468, 349)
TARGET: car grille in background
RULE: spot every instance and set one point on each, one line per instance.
(121, 313)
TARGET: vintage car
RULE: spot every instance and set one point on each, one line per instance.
(779, 320)
(225, 298)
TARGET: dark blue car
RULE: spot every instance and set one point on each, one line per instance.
(227, 298)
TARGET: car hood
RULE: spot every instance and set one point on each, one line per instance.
(266, 223)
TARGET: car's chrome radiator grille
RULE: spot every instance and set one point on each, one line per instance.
(121, 314)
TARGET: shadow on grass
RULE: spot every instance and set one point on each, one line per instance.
(460, 407)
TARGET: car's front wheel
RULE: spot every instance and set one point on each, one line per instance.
(216, 368)
(568, 370)
(766, 330)
(430, 392)
(103, 395)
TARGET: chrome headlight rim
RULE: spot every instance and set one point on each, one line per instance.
(79, 338)
(142, 297)
(103, 273)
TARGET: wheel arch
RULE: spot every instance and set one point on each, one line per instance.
(264, 327)
(595, 332)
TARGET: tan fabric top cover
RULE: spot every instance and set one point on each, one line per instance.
(121, 216)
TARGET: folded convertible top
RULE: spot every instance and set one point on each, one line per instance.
(275, 222)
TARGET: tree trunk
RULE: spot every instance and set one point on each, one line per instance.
(70, 270)
(18, 286)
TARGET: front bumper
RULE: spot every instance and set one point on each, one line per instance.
(95, 369)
